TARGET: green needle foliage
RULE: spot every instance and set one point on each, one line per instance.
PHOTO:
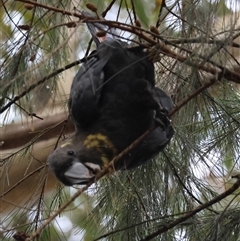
(196, 166)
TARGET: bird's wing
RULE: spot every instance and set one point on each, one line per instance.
(113, 99)
(152, 145)
(87, 85)
(86, 91)
(155, 141)
(164, 100)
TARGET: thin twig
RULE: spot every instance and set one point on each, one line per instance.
(108, 8)
(190, 97)
(26, 111)
(23, 179)
(41, 63)
(183, 185)
(162, 48)
(138, 224)
(163, 4)
(15, 70)
(168, 226)
(134, 11)
(52, 217)
(61, 132)
(41, 81)
(206, 41)
(38, 214)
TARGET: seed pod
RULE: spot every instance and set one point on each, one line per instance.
(154, 30)
(28, 6)
(33, 57)
(71, 24)
(24, 27)
(138, 24)
(91, 7)
(101, 34)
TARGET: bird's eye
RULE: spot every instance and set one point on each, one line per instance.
(71, 153)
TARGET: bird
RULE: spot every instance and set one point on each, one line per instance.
(113, 101)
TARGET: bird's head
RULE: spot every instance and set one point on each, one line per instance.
(69, 167)
(77, 160)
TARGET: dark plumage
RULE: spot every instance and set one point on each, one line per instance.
(113, 101)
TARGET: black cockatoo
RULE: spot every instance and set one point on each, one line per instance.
(113, 101)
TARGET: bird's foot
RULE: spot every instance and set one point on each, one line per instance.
(94, 168)
(161, 119)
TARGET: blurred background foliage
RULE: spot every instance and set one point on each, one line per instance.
(197, 165)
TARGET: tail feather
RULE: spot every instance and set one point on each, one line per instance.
(96, 27)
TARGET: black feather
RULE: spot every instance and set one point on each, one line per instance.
(113, 101)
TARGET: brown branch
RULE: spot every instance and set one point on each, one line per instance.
(190, 97)
(160, 47)
(168, 226)
(138, 224)
(23, 133)
(26, 111)
(217, 70)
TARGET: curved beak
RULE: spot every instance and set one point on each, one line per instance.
(79, 174)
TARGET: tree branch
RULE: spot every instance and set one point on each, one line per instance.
(23, 132)
(160, 47)
(218, 70)
(166, 227)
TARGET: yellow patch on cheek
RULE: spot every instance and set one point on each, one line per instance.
(91, 144)
(103, 145)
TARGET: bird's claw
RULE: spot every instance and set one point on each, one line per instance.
(161, 119)
(93, 167)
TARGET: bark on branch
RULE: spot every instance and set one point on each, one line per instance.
(16, 135)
